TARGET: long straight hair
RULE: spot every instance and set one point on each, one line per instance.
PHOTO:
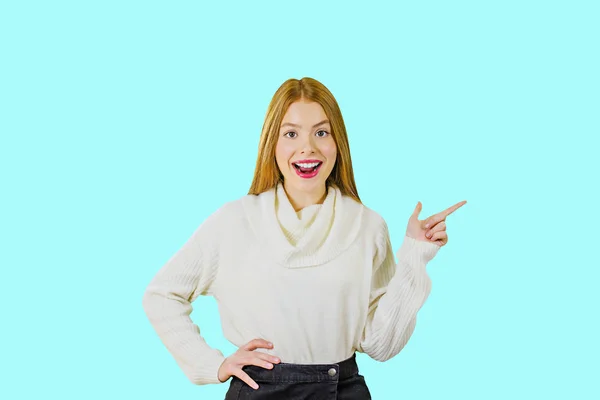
(267, 173)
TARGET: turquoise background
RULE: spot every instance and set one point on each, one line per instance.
(125, 124)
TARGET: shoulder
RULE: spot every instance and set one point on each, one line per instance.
(373, 222)
(242, 210)
(379, 233)
(253, 201)
(228, 214)
(230, 211)
(376, 227)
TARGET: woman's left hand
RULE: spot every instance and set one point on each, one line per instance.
(432, 229)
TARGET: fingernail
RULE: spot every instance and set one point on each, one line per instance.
(426, 225)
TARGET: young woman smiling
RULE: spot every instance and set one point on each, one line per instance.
(303, 273)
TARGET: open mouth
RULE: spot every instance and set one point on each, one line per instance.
(308, 167)
(307, 170)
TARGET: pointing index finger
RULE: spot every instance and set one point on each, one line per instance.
(455, 207)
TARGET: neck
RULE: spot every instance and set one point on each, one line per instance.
(299, 199)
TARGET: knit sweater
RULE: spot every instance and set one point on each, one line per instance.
(319, 284)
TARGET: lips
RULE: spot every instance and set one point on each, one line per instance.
(307, 168)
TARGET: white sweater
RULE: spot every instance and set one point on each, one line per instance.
(319, 284)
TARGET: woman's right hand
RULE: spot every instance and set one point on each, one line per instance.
(245, 355)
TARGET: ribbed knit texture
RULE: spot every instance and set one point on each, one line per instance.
(398, 291)
(320, 284)
(167, 303)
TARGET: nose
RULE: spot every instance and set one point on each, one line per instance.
(307, 146)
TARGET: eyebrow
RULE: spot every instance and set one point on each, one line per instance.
(298, 126)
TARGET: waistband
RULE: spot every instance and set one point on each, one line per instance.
(286, 372)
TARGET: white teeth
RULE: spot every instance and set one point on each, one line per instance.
(310, 165)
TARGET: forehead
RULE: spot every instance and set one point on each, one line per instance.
(304, 113)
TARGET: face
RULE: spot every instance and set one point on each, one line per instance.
(305, 151)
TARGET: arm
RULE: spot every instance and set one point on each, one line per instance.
(398, 291)
(167, 303)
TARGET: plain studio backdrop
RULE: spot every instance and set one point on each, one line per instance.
(125, 124)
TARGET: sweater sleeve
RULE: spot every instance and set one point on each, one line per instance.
(167, 303)
(398, 291)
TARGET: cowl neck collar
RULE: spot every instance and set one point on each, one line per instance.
(320, 233)
(295, 225)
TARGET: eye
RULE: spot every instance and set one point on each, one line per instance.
(325, 133)
(288, 134)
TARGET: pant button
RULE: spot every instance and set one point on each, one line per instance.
(332, 372)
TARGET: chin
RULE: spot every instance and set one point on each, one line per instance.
(308, 185)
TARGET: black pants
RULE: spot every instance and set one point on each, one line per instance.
(339, 381)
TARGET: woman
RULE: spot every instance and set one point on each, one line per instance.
(303, 273)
